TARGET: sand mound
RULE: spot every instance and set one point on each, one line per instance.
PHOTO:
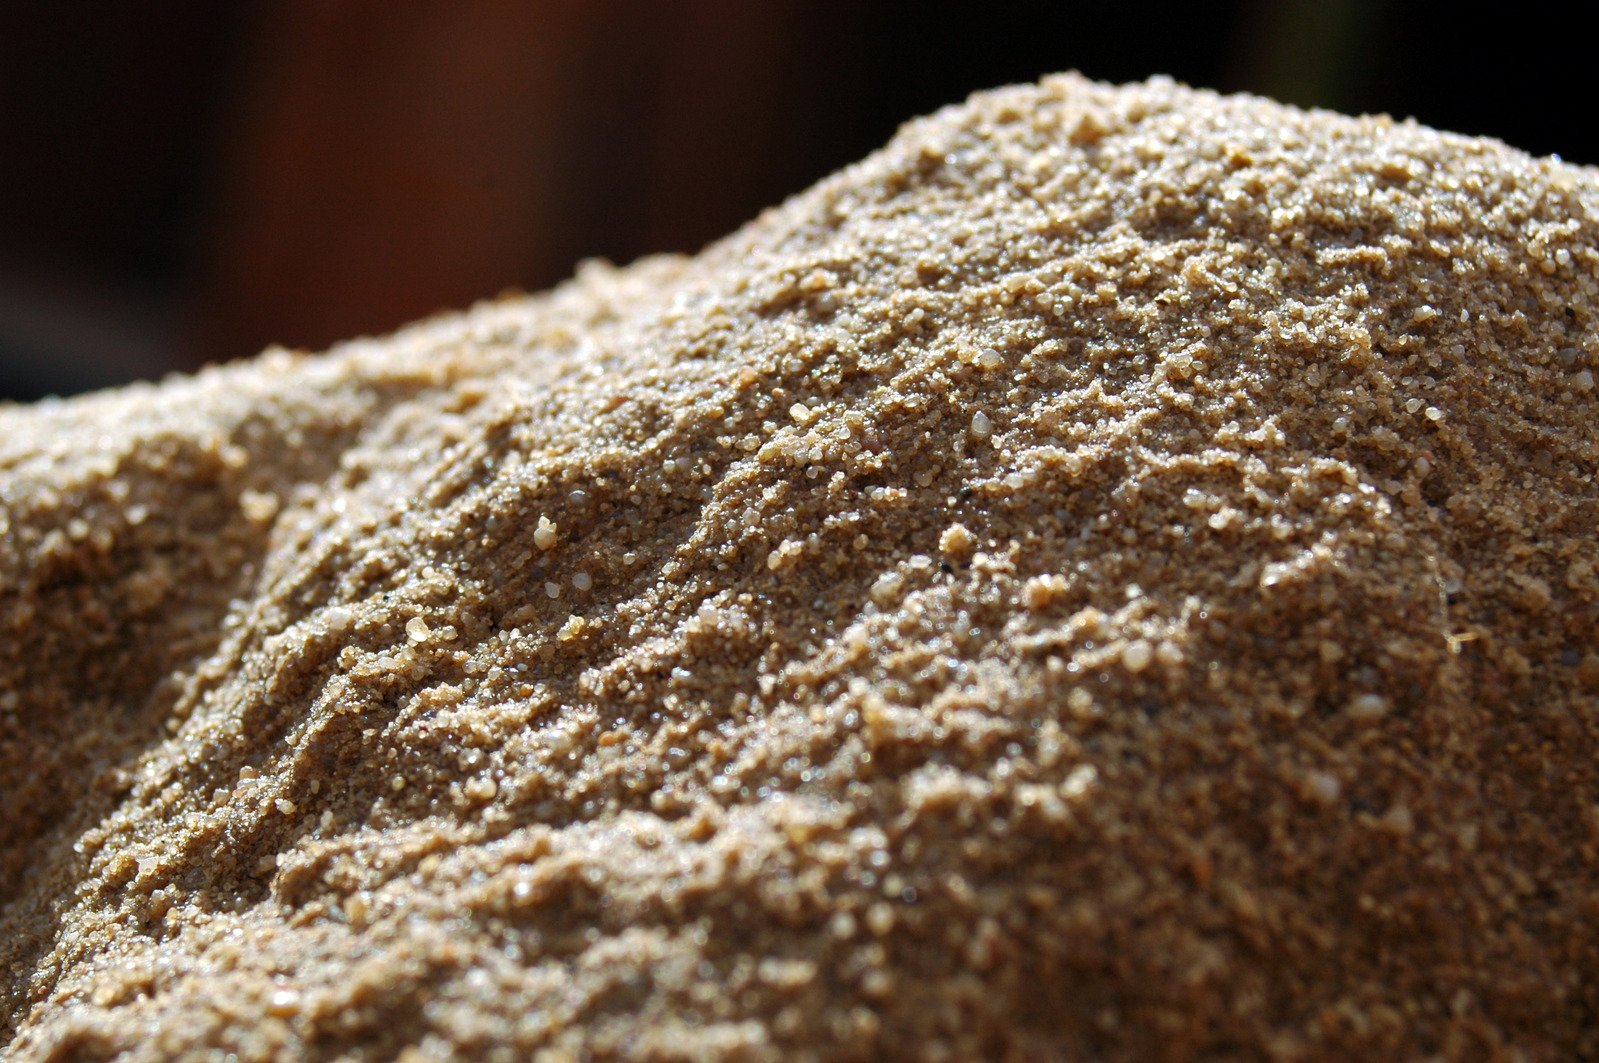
(1111, 575)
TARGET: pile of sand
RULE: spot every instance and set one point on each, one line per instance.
(1111, 575)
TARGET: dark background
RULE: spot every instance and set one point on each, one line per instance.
(185, 182)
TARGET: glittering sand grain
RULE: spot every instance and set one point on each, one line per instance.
(1110, 576)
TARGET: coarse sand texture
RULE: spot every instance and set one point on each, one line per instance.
(1111, 576)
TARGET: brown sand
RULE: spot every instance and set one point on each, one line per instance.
(1111, 576)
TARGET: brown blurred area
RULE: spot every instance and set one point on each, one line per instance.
(387, 168)
(186, 182)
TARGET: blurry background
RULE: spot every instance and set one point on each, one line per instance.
(184, 182)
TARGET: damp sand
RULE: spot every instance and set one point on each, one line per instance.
(1110, 576)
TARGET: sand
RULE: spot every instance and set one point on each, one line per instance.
(1110, 576)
